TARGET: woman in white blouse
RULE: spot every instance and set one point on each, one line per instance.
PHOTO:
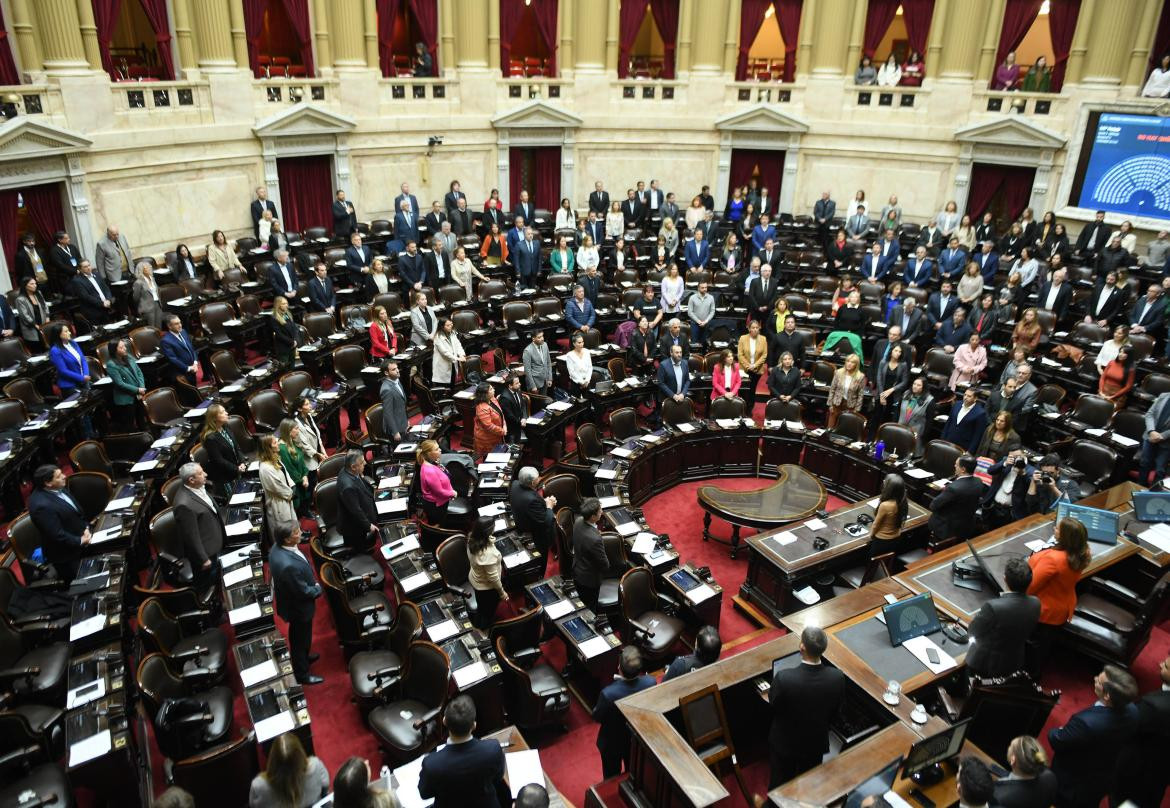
(566, 216)
(673, 288)
(1026, 266)
(579, 363)
(889, 74)
(859, 202)
(965, 233)
(587, 255)
(1158, 84)
(615, 223)
(462, 271)
(948, 219)
(264, 226)
(1111, 347)
(1128, 237)
(221, 256)
(448, 351)
(695, 213)
(277, 484)
(670, 234)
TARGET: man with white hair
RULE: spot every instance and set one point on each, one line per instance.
(112, 255)
(282, 277)
(532, 512)
(675, 335)
(200, 522)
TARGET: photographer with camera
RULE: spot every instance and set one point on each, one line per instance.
(1006, 498)
(1046, 486)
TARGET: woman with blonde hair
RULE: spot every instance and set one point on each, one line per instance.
(225, 462)
(279, 487)
(615, 223)
(1031, 784)
(292, 457)
(669, 233)
(846, 390)
(379, 277)
(434, 482)
(383, 340)
(1028, 331)
(462, 271)
(284, 331)
(291, 779)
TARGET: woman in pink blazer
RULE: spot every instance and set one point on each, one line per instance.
(725, 377)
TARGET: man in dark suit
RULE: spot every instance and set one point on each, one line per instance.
(260, 204)
(804, 698)
(1004, 501)
(1085, 750)
(952, 261)
(1001, 627)
(512, 403)
(30, 261)
(526, 259)
(761, 295)
(873, 266)
(591, 282)
(200, 522)
(675, 334)
(93, 295)
(64, 259)
(1006, 397)
(453, 195)
(707, 647)
(789, 340)
(179, 352)
(910, 319)
(988, 260)
(674, 379)
(955, 331)
(670, 208)
(282, 276)
(492, 214)
(613, 736)
(532, 512)
(344, 217)
(823, 212)
(931, 238)
(599, 200)
(296, 592)
(632, 210)
(595, 229)
(60, 521)
(769, 254)
(1056, 294)
(1148, 313)
(461, 220)
(357, 258)
(881, 349)
(941, 305)
(1142, 775)
(466, 770)
(967, 422)
(1093, 237)
(655, 199)
(590, 561)
(321, 294)
(1104, 307)
(357, 516)
(953, 511)
(394, 421)
(919, 270)
(524, 209)
(406, 224)
(407, 196)
(434, 220)
(8, 323)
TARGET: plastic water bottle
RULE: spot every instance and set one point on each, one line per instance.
(879, 449)
(385, 774)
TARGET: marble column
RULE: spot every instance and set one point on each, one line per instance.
(682, 53)
(589, 20)
(707, 36)
(60, 37)
(1140, 53)
(830, 49)
(612, 32)
(89, 40)
(731, 39)
(934, 41)
(493, 31)
(1074, 69)
(856, 40)
(992, 24)
(959, 58)
(214, 33)
(370, 12)
(322, 44)
(239, 35)
(471, 30)
(809, 12)
(182, 12)
(24, 31)
(448, 54)
(348, 25)
(1107, 57)
(566, 30)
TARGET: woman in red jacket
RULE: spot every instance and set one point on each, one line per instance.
(489, 420)
(725, 379)
(1055, 572)
(383, 340)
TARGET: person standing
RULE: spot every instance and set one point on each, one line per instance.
(1142, 775)
(308, 440)
(538, 370)
(129, 385)
(296, 593)
(613, 735)
(225, 462)
(1002, 627)
(112, 255)
(489, 429)
(278, 485)
(953, 510)
(434, 482)
(589, 558)
(200, 523)
(486, 575)
(292, 457)
(515, 410)
(60, 521)
(532, 512)
(803, 700)
(752, 349)
(466, 770)
(1055, 573)
(394, 420)
(357, 515)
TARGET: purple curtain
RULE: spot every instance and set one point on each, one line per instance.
(426, 14)
(8, 74)
(105, 15)
(1062, 24)
(878, 17)
(917, 15)
(8, 235)
(156, 12)
(988, 180)
(545, 12)
(306, 192)
(253, 30)
(387, 14)
(629, 21)
(666, 18)
(511, 11)
(298, 15)
(788, 16)
(751, 18)
(1017, 19)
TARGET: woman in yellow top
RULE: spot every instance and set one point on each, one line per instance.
(486, 574)
(886, 529)
(753, 361)
(847, 389)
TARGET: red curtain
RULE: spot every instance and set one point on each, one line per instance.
(917, 15)
(156, 12)
(8, 235)
(989, 180)
(253, 30)
(1161, 40)
(666, 18)
(751, 19)
(298, 15)
(387, 14)
(788, 16)
(1017, 19)
(43, 203)
(105, 16)
(878, 18)
(8, 74)
(306, 192)
(511, 11)
(1062, 24)
(629, 21)
(426, 14)
(770, 165)
(545, 12)
(547, 165)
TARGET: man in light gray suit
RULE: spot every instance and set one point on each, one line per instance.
(424, 321)
(112, 256)
(538, 368)
(393, 395)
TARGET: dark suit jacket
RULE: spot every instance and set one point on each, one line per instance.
(613, 735)
(405, 232)
(180, 354)
(526, 261)
(470, 773)
(293, 584)
(879, 351)
(1000, 631)
(762, 297)
(783, 341)
(88, 298)
(355, 509)
(1093, 237)
(953, 510)
(394, 418)
(60, 526)
(201, 527)
(988, 265)
(24, 264)
(277, 241)
(668, 384)
(461, 222)
(513, 415)
(936, 312)
(1063, 298)
(223, 459)
(633, 212)
(1110, 306)
(431, 266)
(277, 282)
(599, 202)
(804, 700)
(532, 515)
(589, 559)
(1019, 488)
(968, 432)
(524, 210)
(344, 222)
(913, 327)
(451, 199)
(639, 346)
(321, 298)
(258, 208)
(490, 216)
(1142, 774)
(1149, 317)
(412, 269)
(1039, 792)
(1085, 751)
(63, 261)
(413, 204)
(668, 340)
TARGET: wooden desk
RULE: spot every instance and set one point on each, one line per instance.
(795, 495)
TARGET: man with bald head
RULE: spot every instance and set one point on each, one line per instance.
(111, 257)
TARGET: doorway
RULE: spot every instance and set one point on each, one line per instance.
(538, 171)
(306, 192)
(1003, 190)
(765, 166)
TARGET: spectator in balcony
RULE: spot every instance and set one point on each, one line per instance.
(913, 69)
(890, 75)
(1158, 84)
(865, 74)
(1007, 75)
(424, 66)
(1039, 77)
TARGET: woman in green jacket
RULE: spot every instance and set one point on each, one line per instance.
(561, 258)
(293, 460)
(1039, 77)
(129, 385)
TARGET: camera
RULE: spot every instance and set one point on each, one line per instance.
(1019, 463)
(1046, 479)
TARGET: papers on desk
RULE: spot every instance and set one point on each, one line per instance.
(534, 420)
(559, 406)
(626, 528)
(794, 426)
(86, 627)
(390, 482)
(516, 559)
(253, 467)
(919, 474)
(606, 474)
(644, 543)
(328, 395)
(1036, 545)
(700, 593)
(857, 444)
(143, 465)
(119, 504)
(894, 800)
(441, 631)
(940, 484)
(259, 673)
(469, 674)
(610, 502)
(195, 412)
(594, 646)
(784, 538)
(494, 509)
(688, 427)
(1050, 415)
(67, 405)
(237, 576)
(498, 457)
(408, 776)
(84, 694)
(105, 535)
(651, 438)
(556, 611)
(918, 646)
(90, 748)
(399, 548)
(32, 426)
(413, 582)
(163, 443)
(1157, 536)
(523, 768)
(500, 526)
(232, 323)
(238, 528)
(275, 725)
(385, 506)
(1095, 432)
(244, 613)
(242, 499)
(621, 451)
(815, 524)
(1123, 441)
(728, 423)
(403, 448)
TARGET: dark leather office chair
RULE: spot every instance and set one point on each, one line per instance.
(777, 410)
(410, 725)
(850, 425)
(623, 423)
(939, 458)
(455, 568)
(1106, 628)
(92, 490)
(90, 455)
(186, 650)
(1001, 709)
(898, 438)
(31, 777)
(352, 563)
(331, 466)
(374, 439)
(678, 412)
(609, 595)
(32, 672)
(169, 551)
(32, 728)
(1091, 411)
(565, 519)
(267, 408)
(361, 615)
(25, 391)
(202, 730)
(163, 408)
(591, 448)
(225, 368)
(938, 366)
(295, 383)
(372, 672)
(219, 776)
(1095, 462)
(535, 693)
(25, 539)
(37, 625)
(325, 501)
(565, 487)
(648, 615)
(727, 407)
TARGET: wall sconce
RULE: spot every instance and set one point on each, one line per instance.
(9, 106)
(296, 94)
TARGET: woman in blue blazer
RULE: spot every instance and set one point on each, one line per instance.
(69, 359)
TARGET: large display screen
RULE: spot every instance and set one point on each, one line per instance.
(1127, 169)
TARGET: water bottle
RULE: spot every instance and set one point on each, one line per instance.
(879, 449)
(385, 774)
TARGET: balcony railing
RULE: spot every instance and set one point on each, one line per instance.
(532, 88)
(644, 89)
(1019, 102)
(131, 97)
(294, 90)
(759, 92)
